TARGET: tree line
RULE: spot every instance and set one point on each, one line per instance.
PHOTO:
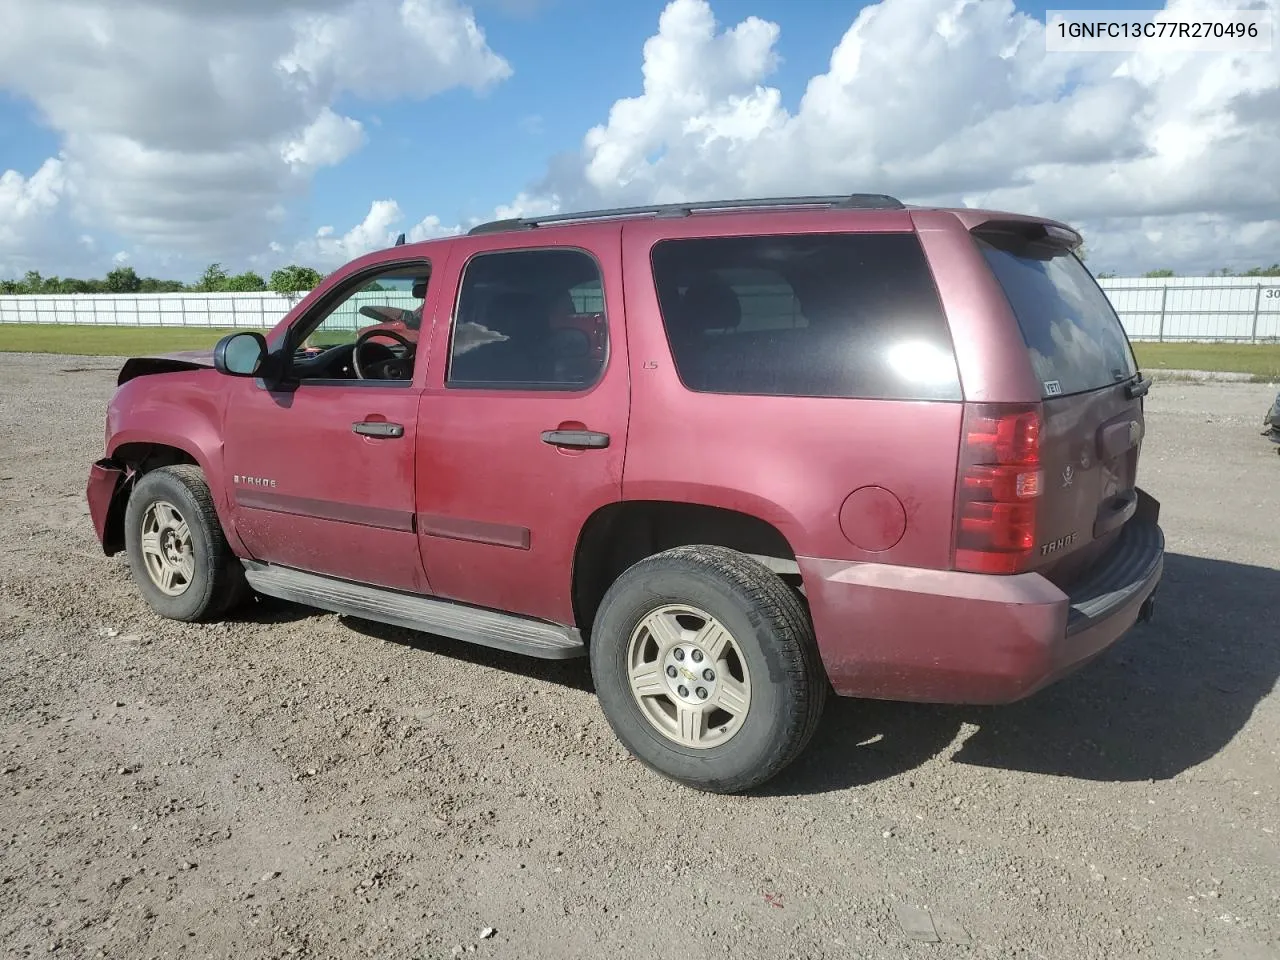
(1271, 271)
(123, 280)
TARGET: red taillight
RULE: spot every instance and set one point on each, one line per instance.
(1003, 437)
(999, 482)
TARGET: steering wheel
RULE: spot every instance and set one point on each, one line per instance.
(397, 367)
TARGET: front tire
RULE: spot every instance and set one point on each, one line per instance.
(707, 669)
(177, 551)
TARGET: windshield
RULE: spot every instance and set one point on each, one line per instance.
(1074, 337)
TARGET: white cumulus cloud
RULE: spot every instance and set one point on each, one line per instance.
(380, 51)
(27, 204)
(194, 126)
(379, 229)
(326, 142)
(189, 126)
(1164, 157)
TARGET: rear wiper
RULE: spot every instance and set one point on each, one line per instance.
(1137, 388)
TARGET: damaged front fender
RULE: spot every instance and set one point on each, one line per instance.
(106, 492)
(177, 362)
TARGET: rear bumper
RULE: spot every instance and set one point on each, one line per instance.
(105, 478)
(897, 633)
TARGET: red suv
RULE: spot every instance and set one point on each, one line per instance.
(741, 454)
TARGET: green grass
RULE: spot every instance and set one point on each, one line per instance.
(1262, 360)
(95, 341)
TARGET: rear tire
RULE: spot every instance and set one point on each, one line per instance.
(707, 669)
(177, 551)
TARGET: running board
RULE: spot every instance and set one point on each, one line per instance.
(535, 638)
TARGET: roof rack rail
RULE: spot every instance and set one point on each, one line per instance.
(852, 201)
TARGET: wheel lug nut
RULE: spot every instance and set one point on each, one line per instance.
(702, 693)
(682, 690)
(679, 654)
(671, 671)
(697, 656)
(708, 675)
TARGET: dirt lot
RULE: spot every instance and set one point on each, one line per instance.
(297, 784)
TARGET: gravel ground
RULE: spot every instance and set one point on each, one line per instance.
(296, 784)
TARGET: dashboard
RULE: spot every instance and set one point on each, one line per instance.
(381, 361)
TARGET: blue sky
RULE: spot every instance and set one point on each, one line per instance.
(458, 155)
(24, 141)
(103, 158)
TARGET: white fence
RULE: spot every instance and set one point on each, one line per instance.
(246, 310)
(1242, 309)
(253, 310)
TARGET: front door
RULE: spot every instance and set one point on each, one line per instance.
(321, 469)
(523, 422)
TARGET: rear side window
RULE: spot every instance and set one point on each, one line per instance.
(1072, 333)
(529, 320)
(817, 315)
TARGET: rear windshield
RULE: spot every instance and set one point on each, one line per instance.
(818, 315)
(1074, 337)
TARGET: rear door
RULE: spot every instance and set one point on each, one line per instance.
(1093, 418)
(523, 424)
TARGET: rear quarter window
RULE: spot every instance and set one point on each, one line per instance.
(1074, 338)
(816, 315)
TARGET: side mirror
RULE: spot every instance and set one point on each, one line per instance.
(241, 354)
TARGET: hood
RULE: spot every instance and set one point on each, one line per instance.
(201, 358)
(165, 363)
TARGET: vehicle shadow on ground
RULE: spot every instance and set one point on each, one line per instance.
(575, 674)
(265, 610)
(1169, 696)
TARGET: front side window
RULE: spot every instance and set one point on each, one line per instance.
(529, 320)
(368, 331)
(820, 315)
(393, 299)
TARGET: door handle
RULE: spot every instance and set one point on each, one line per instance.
(378, 428)
(576, 439)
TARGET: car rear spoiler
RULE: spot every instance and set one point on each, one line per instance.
(1031, 238)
